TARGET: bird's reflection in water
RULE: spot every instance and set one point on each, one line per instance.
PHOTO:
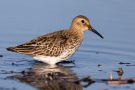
(45, 77)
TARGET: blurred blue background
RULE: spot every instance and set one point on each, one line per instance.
(113, 18)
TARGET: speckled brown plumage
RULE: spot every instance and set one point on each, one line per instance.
(57, 46)
(52, 44)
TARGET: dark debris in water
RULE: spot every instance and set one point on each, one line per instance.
(131, 65)
(87, 79)
(126, 64)
(116, 81)
(4, 88)
(1, 55)
(121, 63)
(43, 77)
(6, 72)
(119, 71)
(100, 70)
(99, 65)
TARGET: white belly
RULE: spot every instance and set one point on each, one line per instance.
(52, 60)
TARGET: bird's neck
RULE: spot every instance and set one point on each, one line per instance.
(76, 31)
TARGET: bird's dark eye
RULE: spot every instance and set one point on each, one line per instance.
(82, 21)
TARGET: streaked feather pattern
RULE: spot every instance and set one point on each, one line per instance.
(52, 44)
(57, 46)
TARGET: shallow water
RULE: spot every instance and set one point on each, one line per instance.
(96, 61)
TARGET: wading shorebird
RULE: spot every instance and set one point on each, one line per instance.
(57, 46)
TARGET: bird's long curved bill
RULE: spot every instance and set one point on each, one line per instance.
(96, 32)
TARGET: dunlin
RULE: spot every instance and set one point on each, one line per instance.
(57, 46)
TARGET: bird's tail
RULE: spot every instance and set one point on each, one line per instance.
(20, 49)
(11, 49)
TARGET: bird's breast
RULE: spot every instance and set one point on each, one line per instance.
(68, 52)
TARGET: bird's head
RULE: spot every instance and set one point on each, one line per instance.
(83, 23)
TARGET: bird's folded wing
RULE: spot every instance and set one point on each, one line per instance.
(51, 44)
